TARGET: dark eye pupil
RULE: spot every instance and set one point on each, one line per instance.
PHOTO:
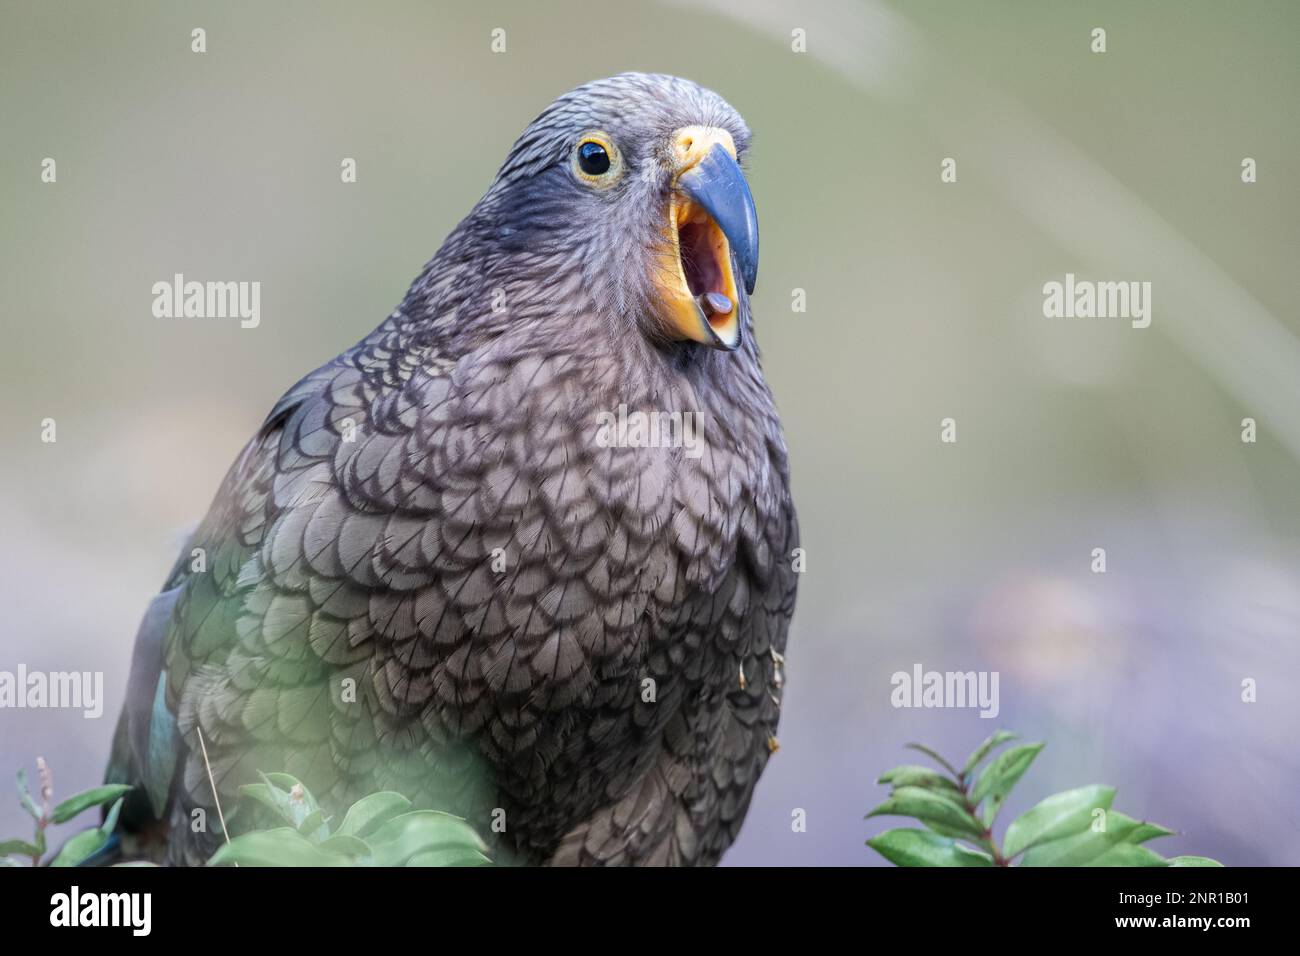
(593, 159)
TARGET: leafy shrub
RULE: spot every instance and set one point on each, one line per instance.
(1074, 828)
(381, 829)
(82, 846)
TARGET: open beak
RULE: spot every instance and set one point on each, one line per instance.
(713, 238)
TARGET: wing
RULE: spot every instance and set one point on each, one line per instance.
(253, 658)
(191, 619)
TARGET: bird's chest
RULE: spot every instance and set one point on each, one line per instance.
(648, 499)
(605, 559)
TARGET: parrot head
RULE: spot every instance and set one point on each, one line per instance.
(628, 192)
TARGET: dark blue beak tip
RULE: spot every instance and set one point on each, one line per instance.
(718, 184)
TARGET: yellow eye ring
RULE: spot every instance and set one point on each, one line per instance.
(596, 160)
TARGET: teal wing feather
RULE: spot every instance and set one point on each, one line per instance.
(148, 746)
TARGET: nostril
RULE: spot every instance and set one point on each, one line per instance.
(687, 144)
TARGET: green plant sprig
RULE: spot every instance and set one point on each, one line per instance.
(959, 807)
(382, 829)
(78, 848)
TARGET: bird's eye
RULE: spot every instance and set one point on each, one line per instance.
(593, 159)
(596, 160)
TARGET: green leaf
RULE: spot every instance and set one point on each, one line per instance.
(930, 807)
(935, 757)
(110, 818)
(992, 807)
(417, 832)
(284, 794)
(909, 847)
(1081, 849)
(996, 780)
(372, 811)
(283, 846)
(1059, 815)
(19, 848)
(910, 775)
(287, 783)
(272, 797)
(348, 846)
(70, 807)
(80, 848)
(1193, 861)
(450, 856)
(313, 826)
(984, 749)
(25, 796)
(1147, 831)
(89, 842)
(1101, 848)
(1003, 771)
(1128, 854)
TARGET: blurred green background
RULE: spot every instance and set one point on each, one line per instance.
(923, 302)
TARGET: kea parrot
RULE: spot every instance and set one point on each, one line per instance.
(438, 569)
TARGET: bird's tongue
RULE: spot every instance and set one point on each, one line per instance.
(714, 303)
